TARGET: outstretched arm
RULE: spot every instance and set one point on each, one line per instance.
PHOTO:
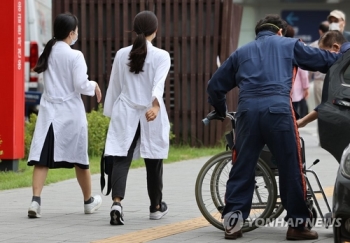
(307, 119)
(313, 59)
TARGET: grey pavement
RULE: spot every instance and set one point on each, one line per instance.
(63, 219)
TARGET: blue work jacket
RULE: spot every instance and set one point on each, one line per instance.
(264, 67)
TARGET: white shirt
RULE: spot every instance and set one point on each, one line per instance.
(61, 105)
(128, 98)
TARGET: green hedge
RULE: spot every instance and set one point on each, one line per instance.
(97, 130)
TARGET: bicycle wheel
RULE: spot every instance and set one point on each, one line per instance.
(211, 187)
(265, 185)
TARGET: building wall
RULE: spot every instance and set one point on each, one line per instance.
(195, 33)
(253, 12)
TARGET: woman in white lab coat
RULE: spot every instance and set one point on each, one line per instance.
(60, 136)
(139, 123)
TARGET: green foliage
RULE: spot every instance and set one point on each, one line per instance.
(29, 131)
(171, 134)
(97, 129)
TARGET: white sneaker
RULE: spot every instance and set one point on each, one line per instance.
(158, 213)
(92, 207)
(116, 214)
(34, 210)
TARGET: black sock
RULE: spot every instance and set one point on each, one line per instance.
(90, 200)
(36, 199)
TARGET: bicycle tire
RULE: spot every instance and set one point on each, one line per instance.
(277, 211)
(211, 206)
(267, 180)
(257, 203)
(220, 167)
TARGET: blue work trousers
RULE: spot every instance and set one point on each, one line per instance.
(267, 120)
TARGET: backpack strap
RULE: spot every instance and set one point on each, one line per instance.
(102, 178)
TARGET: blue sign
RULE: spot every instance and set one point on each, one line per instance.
(305, 22)
(32, 98)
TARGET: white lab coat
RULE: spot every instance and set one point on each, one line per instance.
(128, 98)
(61, 105)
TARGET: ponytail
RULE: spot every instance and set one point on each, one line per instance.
(138, 54)
(42, 64)
(145, 24)
(64, 23)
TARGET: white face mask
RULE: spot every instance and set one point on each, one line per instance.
(73, 42)
(334, 26)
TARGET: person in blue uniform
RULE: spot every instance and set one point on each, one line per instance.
(263, 70)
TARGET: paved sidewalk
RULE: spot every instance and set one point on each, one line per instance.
(63, 219)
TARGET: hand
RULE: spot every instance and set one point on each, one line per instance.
(152, 113)
(220, 116)
(301, 123)
(306, 93)
(98, 93)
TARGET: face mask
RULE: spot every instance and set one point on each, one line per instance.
(334, 26)
(73, 42)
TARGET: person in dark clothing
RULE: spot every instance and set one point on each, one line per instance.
(263, 70)
(333, 41)
(323, 28)
(337, 21)
(139, 125)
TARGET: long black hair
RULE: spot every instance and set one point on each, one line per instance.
(145, 24)
(63, 25)
(272, 23)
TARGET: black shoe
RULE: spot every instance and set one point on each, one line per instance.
(301, 234)
(158, 213)
(117, 214)
(233, 236)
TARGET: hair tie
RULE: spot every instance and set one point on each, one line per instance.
(54, 38)
(270, 25)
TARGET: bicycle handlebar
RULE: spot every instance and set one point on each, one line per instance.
(214, 116)
(206, 121)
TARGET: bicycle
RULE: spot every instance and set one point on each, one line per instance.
(211, 185)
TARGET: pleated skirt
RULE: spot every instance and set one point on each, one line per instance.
(47, 155)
